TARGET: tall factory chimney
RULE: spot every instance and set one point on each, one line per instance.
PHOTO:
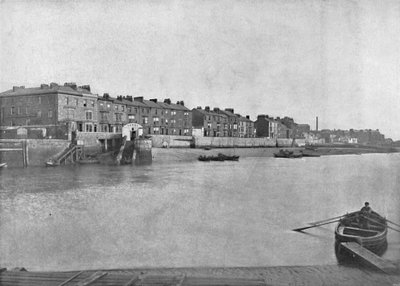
(316, 123)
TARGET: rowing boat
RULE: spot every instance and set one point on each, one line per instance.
(368, 230)
(3, 165)
(219, 157)
(287, 154)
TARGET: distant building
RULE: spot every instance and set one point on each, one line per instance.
(232, 120)
(246, 127)
(56, 108)
(266, 127)
(213, 122)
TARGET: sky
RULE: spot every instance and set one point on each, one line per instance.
(335, 59)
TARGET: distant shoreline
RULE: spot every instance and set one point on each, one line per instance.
(192, 154)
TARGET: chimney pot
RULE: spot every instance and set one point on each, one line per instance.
(138, 98)
(154, 100)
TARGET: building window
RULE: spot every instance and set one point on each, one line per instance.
(92, 102)
(19, 109)
(67, 100)
(40, 99)
(155, 120)
(12, 112)
(131, 117)
(85, 102)
(186, 113)
(166, 121)
(89, 115)
(39, 113)
(101, 104)
(186, 131)
(89, 128)
(76, 101)
(108, 105)
(145, 120)
(50, 114)
(173, 112)
(156, 130)
(118, 117)
(115, 107)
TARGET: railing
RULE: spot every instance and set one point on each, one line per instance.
(72, 154)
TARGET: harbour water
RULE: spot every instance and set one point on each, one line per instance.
(189, 214)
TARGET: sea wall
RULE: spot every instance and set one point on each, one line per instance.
(38, 151)
(233, 142)
(171, 141)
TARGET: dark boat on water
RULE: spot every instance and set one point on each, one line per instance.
(219, 157)
(310, 153)
(287, 154)
(368, 230)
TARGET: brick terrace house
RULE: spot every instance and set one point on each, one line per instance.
(112, 114)
(55, 108)
(213, 122)
(233, 126)
(246, 127)
(175, 119)
(266, 126)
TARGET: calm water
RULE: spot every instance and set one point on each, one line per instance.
(189, 214)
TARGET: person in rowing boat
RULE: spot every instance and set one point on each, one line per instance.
(365, 212)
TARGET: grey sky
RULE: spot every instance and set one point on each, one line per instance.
(337, 59)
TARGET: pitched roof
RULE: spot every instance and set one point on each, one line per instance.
(45, 89)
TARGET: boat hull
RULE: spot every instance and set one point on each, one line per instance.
(373, 238)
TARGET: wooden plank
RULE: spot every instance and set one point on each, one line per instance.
(180, 283)
(96, 276)
(369, 257)
(71, 278)
(11, 149)
(133, 281)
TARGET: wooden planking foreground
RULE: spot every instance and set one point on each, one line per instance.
(369, 257)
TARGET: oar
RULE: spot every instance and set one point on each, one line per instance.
(393, 223)
(328, 219)
(315, 225)
(377, 222)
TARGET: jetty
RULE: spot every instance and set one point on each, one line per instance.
(207, 276)
(369, 257)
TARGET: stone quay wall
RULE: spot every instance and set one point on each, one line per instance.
(38, 151)
(171, 141)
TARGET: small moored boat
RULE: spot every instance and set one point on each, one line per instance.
(368, 230)
(219, 157)
(3, 165)
(287, 154)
